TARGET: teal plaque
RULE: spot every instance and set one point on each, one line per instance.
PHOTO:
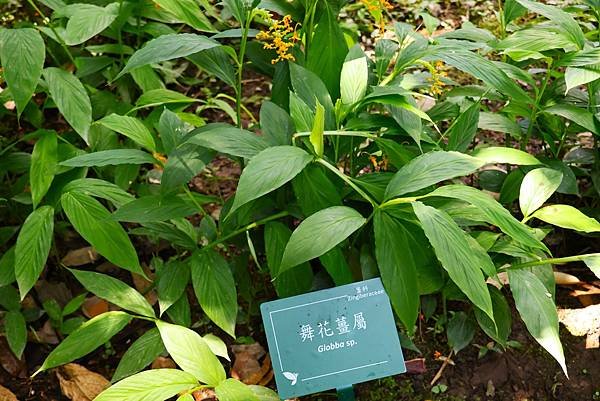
(332, 338)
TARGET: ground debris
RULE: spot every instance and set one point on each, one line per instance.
(7, 395)
(80, 384)
(583, 322)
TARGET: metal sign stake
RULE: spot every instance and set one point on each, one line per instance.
(346, 394)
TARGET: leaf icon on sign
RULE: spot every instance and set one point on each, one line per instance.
(291, 376)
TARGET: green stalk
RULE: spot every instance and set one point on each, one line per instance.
(51, 26)
(238, 89)
(536, 107)
(550, 261)
(348, 181)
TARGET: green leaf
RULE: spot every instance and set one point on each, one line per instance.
(335, 263)
(9, 298)
(234, 390)
(159, 97)
(32, 248)
(171, 129)
(461, 330)
(269, 170)
(575, 77)
(593, 262)
(215, 289)
(22, 52)
(429, 169)
(173, 279)
(88, 22)
(140, 354)
(319, 233)
(494, 212)
(538, 311)
(228, 139)
(500, 155)
(276, 125)
(294, 281)
(327, 51)
(499, 123)
(114, 291)
(155, 385)
(264, 393)
(216, 345)
(132, 128)
(537, 186)
(189, 350)
(460, 135)
(460, 255)
(16, 332)
(43, 165)
(316, 134)
(93, 222)
(499, 328)
(354, 80)
(314, 190)
(86, 338)
(154, 208)
(70, 97)
(7, 267)
(168, 47)
(397, 267)
(110, 158)
(564, 20)
(183, 164)
(100, 189)
(216, 61)
(309, 88)
(187, 11)
(566, 216)
(576, 114)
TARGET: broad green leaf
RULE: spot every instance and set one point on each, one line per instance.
(159, 97)
(460, 331)
(183, 164)
(336, 266)
(575, 77)
(7, 267)
(354, 80)
(132, 128)
(168, 47)
(140, 354)
(16, 332)
(22, 52)
(93, 222)
(327, 51)
(566, 216)
(276, 125)
(593, 262)
(563, 19)
(500, 123)
(151, 385)
(171, 129)
(32, 248)
(538, 311)
(110, 157)
(294, 281)
(216, 345)
(215, 289)
(494, 212)
(234, 390)
(146, 78)
(154, 208)
(228, 139)
(461, 133)
(576, 114)
(71, 98)
(537, 186)
(316, 134)
(460, 255)
(397, 267)
(429, 169)
(114, 291)
(264, 393)
(88, 22)
(500, 328)
(43, 165)
(187, 11)
(9, 298)
(500, 155)
(309, 88)
(217, 61)
(100, 189)
(189, 350)
(319, 233)
(314, 190)
(483, 69)
(512, 10)
(86, 338)
(269, 170)
(173, 278)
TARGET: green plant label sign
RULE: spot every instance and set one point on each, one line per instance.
(332, 338)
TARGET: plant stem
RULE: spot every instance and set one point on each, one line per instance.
(246, 228)
(191, 196)
(536, 106)
(238, 89)
(550, 261)
(348, 181)
(51, 26)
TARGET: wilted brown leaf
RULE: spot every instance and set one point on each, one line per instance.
(80, 384)
(205, 394)
(583, 322)
(47, 334)
(565, 279)
(94, 306)
(80, 257)
(7, 395)
(247, 366)
(9, 362)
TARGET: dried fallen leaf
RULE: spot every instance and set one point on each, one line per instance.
(247, 367)
(163, 363)
(583, 322)
(416, 366)
(9, 362)
(94, 306)
(565, 279)
(80, 257)
(205, 394)
(80, 384)
(7, 395)
(47, 334)
(144, 286)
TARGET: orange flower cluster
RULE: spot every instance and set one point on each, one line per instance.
(437, 84)
(281, 37)
(376, 8)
